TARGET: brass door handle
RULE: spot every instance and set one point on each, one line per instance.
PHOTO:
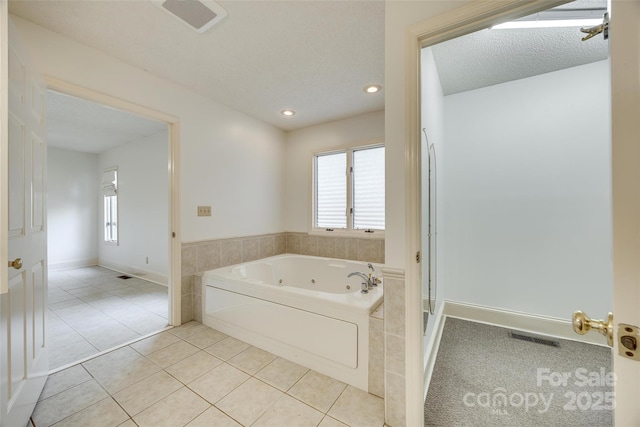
(583, 324)
(16, 263)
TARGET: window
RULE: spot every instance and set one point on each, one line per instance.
(349, 190)
(110, 194)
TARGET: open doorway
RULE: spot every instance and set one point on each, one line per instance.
(108, 221)
(523, 206)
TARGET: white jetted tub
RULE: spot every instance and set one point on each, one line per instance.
(302, 308)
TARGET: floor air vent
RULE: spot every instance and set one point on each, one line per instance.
(124, 277)
(534, 339)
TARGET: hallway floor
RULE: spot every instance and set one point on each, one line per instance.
(91, 310)
(196, 376)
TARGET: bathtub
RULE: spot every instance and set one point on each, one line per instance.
(302, 308)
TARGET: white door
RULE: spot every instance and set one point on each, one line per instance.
(625, 84)
(23, 354)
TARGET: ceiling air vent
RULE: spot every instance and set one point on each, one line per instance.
(199, 15)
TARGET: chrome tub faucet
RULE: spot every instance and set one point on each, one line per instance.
(366, 281)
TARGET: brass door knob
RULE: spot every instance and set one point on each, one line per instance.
(16, 263)
(583, 324)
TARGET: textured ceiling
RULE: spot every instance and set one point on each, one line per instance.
(490, 57)
(79, 125)
(312, 56)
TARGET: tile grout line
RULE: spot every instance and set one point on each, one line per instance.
(94, 282)
(214, 404)
(183, 338)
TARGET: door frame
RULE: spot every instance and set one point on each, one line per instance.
(467, 19)
(4, 144)
(173, 123)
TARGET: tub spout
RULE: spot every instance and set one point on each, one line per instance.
(366, 281)
(361, 275)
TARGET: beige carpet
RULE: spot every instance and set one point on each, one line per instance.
(485, 377)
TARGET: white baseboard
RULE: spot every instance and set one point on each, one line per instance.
(539, 325)
(542, 325)
(150, 276)
(72, 264)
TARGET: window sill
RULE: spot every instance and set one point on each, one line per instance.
(376, 235)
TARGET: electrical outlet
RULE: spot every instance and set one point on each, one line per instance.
(204, 210)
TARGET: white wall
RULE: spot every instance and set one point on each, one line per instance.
(72, 208)
(143, 208)
(527, 194)
(433, 121)
(301, 144)
(228, 160)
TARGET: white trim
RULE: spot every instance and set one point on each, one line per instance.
(148, 275)
(349, 231)
(4, 151)
(538, 325)
(624, 46)
(79, 263)
(221, 239)
(535, 324)
(341, 232)
(175, 244)
(173, 123)
(464, 20)
(108, 100)
(474, 17)
(392, 273)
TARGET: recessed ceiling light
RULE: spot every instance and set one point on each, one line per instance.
(372, 88)
(288, 113)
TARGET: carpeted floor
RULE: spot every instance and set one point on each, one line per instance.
(484, 377)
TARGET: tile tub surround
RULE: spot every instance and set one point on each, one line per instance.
(198, 257)
(394, 347)
(376, 352)
(134, 386)
(351, 248)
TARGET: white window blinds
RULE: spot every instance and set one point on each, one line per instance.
(368, 188)
(111, 219)
(110, 182)
(331, 190)
(349, 189)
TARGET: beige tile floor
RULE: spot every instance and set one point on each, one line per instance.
(196, 376)
(91, 310)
